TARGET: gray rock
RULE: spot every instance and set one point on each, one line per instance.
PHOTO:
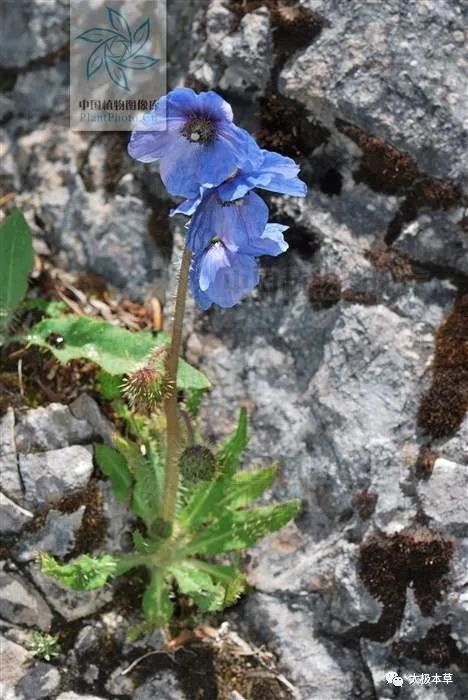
(163, 686)
(15, 660)
(119, 684)
(12, 516)
(247, 54)
(318, 672)
(21, 604)
(205, 65)
(57, 536)
(72, 605)
(48, 476)
(9, 175)
(75, 696)
(440, 496)
(86, 640)
(8, 693)
(85, 408)
(10, 481)
(51, 427)
(41, 681)
(436, 238)
(31, 30)
(406, 84)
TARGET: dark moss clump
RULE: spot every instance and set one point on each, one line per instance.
(284, 127)
(443, 406)
(425, 462)
(364, 503)
(356, 296)
(437, 648)
(388, 564)
(295, 26)
(93, 526)
(385, 259)
(383, 167)
(324, 291)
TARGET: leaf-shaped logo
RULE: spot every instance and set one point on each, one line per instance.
(119, 23)
(117, 74)
(118, 48)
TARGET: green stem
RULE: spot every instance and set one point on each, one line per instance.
(170, 405)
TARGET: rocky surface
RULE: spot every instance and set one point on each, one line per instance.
(333, 354)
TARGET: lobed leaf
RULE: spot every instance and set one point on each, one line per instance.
(157, 605)
(83, 574)
(240, 529)
(114, 465)
(246, 487)
(230, 453)
(116, 350)
(207, 595)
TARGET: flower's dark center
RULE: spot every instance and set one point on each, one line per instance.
(199, 130)
(234, 203)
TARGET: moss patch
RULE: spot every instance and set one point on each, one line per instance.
(443, 406)
(437, 648)
(388, 564)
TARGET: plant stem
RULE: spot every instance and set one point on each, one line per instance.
(171, 482)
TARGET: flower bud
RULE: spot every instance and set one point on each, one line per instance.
(197, 463)
(147, 386)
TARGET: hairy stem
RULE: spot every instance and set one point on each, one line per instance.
(170, 405)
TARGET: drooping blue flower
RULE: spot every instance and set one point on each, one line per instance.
(221, 276)
(275, 173)
(194, 138)
(237, 222)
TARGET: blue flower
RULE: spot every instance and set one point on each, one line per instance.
(221, 276)
(275, 173)
(237, 222)
(194, 138)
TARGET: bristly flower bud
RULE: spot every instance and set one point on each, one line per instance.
(147, 386)
(197, 463)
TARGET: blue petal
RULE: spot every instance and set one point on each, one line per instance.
(235, 223)
(270, 242)
(213, 105)
(200, 297)
(228, 279)
(180, 168)
(283, 175)
(188, 206)
(241, 144)
(212, 262)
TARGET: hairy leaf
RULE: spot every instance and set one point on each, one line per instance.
(230, 453)
(233, 580)
(82, 574)
(148, 490)
(246, 487)
(240, 529)
(16, 262)
(203, 504)
(157, 605)
(109, 385)
(198, 584)
(114, 465)
(117, 350)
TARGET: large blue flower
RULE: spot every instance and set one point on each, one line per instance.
(219, 275)
(195, 140)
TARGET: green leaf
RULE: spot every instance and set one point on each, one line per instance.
(114, 465)
(240, 529)
(84, 573)
(53, 309)
(116, 350)
(149, 487)
(246, 487)
(203, 504)
(207, 595)
(193, 401)
(110, 385)
(16, 263)
(232, 579)
(157, 605)
(230, 453)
